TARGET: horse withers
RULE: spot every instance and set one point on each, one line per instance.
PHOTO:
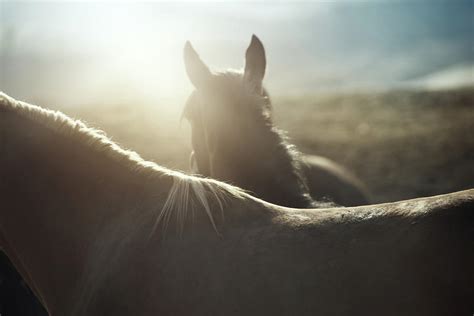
(234, 139)
(96, 230)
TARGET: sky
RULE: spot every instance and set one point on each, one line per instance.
(76, 52)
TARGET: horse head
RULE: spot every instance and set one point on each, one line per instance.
(217, 107)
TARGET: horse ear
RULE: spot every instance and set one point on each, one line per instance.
(255, 63)
(198, 72)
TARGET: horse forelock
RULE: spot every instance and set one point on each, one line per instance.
(231, 84)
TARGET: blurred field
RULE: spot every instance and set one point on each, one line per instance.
(402, 144)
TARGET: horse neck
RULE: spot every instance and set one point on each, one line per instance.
(271, 167)
(61, 202)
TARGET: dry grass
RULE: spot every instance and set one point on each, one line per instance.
(403, 144)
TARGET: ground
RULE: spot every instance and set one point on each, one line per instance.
(402, 144)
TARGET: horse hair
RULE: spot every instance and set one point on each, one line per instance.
(255, 109)
(185, 188)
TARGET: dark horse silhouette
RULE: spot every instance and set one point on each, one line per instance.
(235, 140)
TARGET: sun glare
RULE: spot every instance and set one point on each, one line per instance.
(127, 48)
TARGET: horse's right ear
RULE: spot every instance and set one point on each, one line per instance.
(197, 71)
(255, 64)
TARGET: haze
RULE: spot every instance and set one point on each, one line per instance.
(75, 53)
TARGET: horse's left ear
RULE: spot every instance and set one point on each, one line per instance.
(255, 64)
(197, 71)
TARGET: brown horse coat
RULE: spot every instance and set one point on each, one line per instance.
(81, 219)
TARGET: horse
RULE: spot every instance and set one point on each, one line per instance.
(96, 230)
(234, 139)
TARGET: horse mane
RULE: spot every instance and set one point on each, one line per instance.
(286, 155)
(187, 192)
(187, 195)
(258, 108)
